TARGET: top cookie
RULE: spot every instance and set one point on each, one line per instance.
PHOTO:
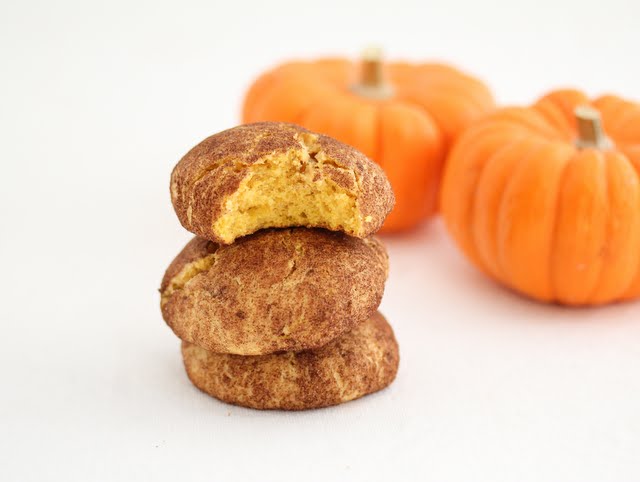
(272, 174)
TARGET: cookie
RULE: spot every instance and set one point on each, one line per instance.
(360, 362)
(279, 289)
(271, 174)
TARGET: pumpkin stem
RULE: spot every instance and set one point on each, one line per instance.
(590, 131)
(371, 83)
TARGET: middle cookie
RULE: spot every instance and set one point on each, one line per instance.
(276, 290)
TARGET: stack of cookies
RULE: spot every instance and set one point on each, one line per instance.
(276, 297)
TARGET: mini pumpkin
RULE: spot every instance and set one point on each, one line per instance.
(404, 116)
(546, 199)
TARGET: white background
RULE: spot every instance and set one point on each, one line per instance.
(99, 100)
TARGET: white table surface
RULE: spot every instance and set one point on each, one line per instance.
(98, 101)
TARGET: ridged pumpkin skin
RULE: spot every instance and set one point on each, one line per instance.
(542, 216)
(408, 134)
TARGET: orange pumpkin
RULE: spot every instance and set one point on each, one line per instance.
(546, 199)
(401, 115)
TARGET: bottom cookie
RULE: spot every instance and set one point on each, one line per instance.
(360, 362)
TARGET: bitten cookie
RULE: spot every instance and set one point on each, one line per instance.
(271, 174)
(360, 362)
(279, 289)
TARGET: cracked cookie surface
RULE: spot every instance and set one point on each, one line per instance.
(359, 362)
(276, 290)
(272, 174)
